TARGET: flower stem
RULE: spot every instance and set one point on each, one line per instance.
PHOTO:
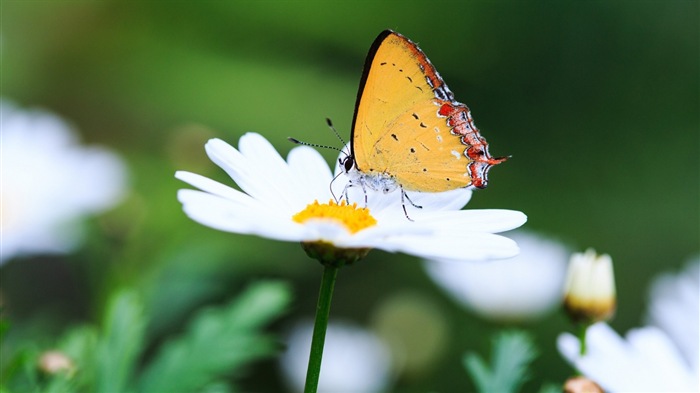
(583, 328)
(323, 309)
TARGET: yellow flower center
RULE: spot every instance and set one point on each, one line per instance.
(350, 216)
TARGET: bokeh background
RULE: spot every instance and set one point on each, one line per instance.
(597, 102)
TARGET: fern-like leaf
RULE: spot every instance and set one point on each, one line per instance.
(218, 342)
(511, 355)
(120, 343)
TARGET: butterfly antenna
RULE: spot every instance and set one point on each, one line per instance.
(330, 124)
(298, 142)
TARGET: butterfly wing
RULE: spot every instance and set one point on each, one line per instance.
(407, 124)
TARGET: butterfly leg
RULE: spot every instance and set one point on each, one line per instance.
(345, 194)
(403, 194)
(364, 190)
(405, 197)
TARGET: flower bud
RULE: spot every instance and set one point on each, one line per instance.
(590, 288)
(54, 362)
(581, 385)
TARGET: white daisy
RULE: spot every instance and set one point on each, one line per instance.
(354, 359)
(278, 198)
(648, 359)
(514, 289)
(673, 297)
(49, 181)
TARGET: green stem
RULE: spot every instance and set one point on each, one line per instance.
(583, 328)
(323, 309)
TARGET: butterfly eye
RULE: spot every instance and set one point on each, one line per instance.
(348, 162)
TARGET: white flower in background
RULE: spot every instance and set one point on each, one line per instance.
(648, 359)
(49, 182)
(519, 288)
(673, 297)
(278, 198)
(354, 360)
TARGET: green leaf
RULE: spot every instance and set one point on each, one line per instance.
(19, 371)
(60, 383)
(511, 355)
(550, 388)
(80, 344)
(120, 343)
(219, 341)
(4, 327)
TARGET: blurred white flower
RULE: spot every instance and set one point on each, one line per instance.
(49, 182)
(519, 288)
(354, 360)
(287, 200)
(648, 359)
(672, 301)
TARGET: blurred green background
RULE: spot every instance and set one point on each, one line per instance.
(597, 102)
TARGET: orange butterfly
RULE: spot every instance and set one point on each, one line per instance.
(408, 131)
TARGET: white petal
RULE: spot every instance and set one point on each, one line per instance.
(448, 200)
(274, 171)
(672, 297)
(312, 173)
(514, 289)
(483, 220)
(211, 186)
(461, 246)
(327, 230)
(238, 217)
(260, 177)
(235, 165)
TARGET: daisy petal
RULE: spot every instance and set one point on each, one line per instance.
(211, 186)
(274, 170)
(485, 220)
(311, 172)
(448, 200)
(465, 246)
(257, 176)
(238, 217)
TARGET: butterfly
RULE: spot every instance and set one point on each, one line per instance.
(408, 132)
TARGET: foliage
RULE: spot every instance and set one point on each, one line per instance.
(512, 353)
(219, 342)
